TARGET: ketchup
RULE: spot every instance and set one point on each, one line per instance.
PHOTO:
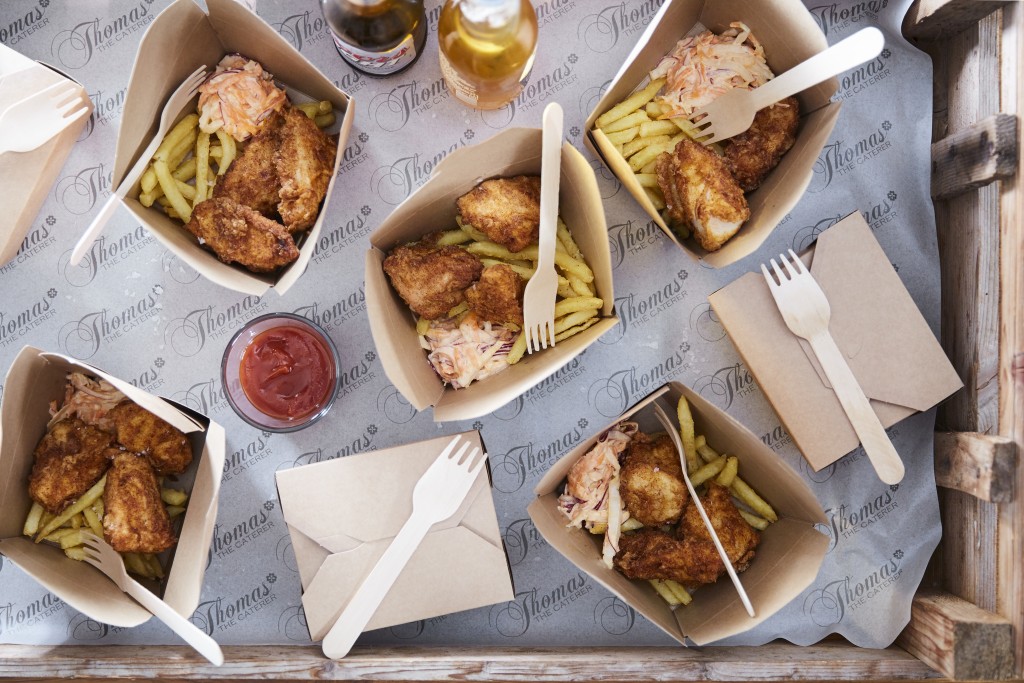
(287, 372)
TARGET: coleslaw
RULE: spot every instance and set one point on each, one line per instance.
(238, 97)
(464, 349)
(89, 400)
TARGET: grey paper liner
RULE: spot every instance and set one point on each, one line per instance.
(136, 311)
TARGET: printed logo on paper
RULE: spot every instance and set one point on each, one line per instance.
(16, 322)
(832, 17)
(79, 192)
(177, 269)
(82, 628)
(23, 26)
(510, 471)
(551, 384)
(292, 624)
(394, 182)
(83, 337)
(603, 30)
(725, 385)
(864, 76)
(843, 157)
(819, 477)
(394, 406)
(357, 375)
(845, 520)
(285, 554)
(19, 617)
(151, 378)
(614, 616)
(227, 538)
(223, 613)
(104, 254)
(607, 184)
(303, 29)
(35, 243)
(203, 397)
(392, 109)
(883, 212)
(333, 313)
(513, 619)
(551, 11)
(704, 321)
(828, 605)
(631, 237)
(189, 334)
(777, 438)
(107, 108)
(353, 155)
(637, 310)
(611, 395)
(352, 82)
(75, 47)
(808, 235)
(539, 89)
(245, 457)
(359, 444)
(520, 537)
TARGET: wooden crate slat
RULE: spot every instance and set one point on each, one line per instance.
(976, 156)
(775, 661)
(961, 640)
(934, 19)
(982, 465)
(1010, 549)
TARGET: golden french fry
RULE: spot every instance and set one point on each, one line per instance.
(651, 152)
(648, 180)
(182, 149)
(324, 120)
(71, 540)
(711, 469)
(170, 188)
(56, 536)
(629, 121)
(202, 167)
(630, 104)
(178, 133)
(686, 433)
(148, 181)
(152, 564)
(623, 136)
(228, 150)
(679, 591)
(632, 524)
(174, 510)
(76, 521)
(35, 514)
(422, 325)
(728, 474)
(653, 109)
(759, 523)
(639, 144)
(565, 237)
(580, 287)
(310, 109)
(562, 259)
(655, 196)
(86, 499)
(652, 128)
(76, 553)
(598, 528)
(573, 319)
(461, 308)
(97, 507)
(651, 167)
(173, 496)
(93, 520)
(565, 289)
(666, 595)
(453, 237)
(515, 354)
(471, 231)
(216, 151)
(754, 501)
(577, 303)
(134, 564)
(185, 172)
(565, 334)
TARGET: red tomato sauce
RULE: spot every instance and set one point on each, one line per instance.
(287, 372)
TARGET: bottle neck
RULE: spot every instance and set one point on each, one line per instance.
(489, 19)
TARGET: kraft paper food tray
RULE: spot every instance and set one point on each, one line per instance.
(179, 40)
(787, 559)
(342, 515)
(790, 35)
(26, 177)
(513, 152)
(36, 378)
(885, 339)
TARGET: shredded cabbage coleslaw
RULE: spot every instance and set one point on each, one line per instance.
(238, 97)
(466, 349)
(87, 399)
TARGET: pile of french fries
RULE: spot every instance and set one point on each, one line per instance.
(640, 131)
(86, 514)
(186, 165)
(577, 305)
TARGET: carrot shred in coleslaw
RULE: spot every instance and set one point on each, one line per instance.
(89, 400)
(702, 67)
(465, 349)
(238, 97)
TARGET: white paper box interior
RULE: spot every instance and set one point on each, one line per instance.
(514, 152)
(787, 560)
(460, 565)
(790, 35)
(26, 177)
(181, 39)
(35, 379)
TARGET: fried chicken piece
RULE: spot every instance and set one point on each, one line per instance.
(701, 194)
(738, 538)
(134, 517)
(505, 209)
(68, 461)
(251, 179)
(140, 431)
(651, 481)
(304, 163)
(238, 234)
(692, 559)
(498, 295)
(753, 153)
(431, 279)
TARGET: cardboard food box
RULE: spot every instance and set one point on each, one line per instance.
(35, 379)
(787, 559)
(876, 325)
(179, 40)
(513, 152)
(26, 177)
(790, 35)
(343, 514)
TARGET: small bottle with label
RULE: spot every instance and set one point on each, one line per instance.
(486, 49)
(378, 37)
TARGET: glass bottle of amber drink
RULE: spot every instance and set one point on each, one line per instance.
(487, 49)
(378, 37)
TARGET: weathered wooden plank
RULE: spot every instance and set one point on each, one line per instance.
(976, 156)
(830, 660)
(1010, 598)
(960, 640)
(982, 465)
(934, 19)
